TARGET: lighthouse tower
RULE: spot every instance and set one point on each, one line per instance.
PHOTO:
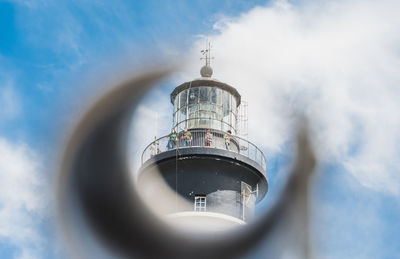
(219, 175)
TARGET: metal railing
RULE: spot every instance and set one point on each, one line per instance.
(200, 138)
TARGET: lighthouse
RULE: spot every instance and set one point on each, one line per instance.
(220, 175)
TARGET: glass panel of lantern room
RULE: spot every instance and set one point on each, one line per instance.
(213, 108)
(226, 103)
(176, 103)
(218, 110)
(213, 95)
(234, 104)
(219, 96)
(193, 115)
(233, 120)
(226, 119)
(192, 109)
(204, 94)
(213, 115)
(194, 123)
(182, 114)
(181, 126)
(191, 123)
(193, 95)
(205, 107)
(183, 98)
(203, 114)
(176, 118)
(204, 123)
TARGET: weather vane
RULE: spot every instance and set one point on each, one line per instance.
(207, 54)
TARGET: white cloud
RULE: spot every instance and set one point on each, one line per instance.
(23, 199)
(10, 102)
(334, 61)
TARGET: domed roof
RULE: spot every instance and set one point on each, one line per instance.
(206, 71)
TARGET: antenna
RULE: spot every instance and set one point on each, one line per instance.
(242, 125)
(156, 124)
(243, 119)
(207, 53)
(206, 70)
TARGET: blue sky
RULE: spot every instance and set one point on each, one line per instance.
(335, 61)
(46, 45)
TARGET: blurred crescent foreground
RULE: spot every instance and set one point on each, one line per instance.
(96, 191)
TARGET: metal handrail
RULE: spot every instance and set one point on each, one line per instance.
(236, 144)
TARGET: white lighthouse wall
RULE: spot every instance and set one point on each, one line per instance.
(203, 221)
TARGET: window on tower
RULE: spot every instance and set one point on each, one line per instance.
(200, 203)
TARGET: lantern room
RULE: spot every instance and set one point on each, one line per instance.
(205, 103)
